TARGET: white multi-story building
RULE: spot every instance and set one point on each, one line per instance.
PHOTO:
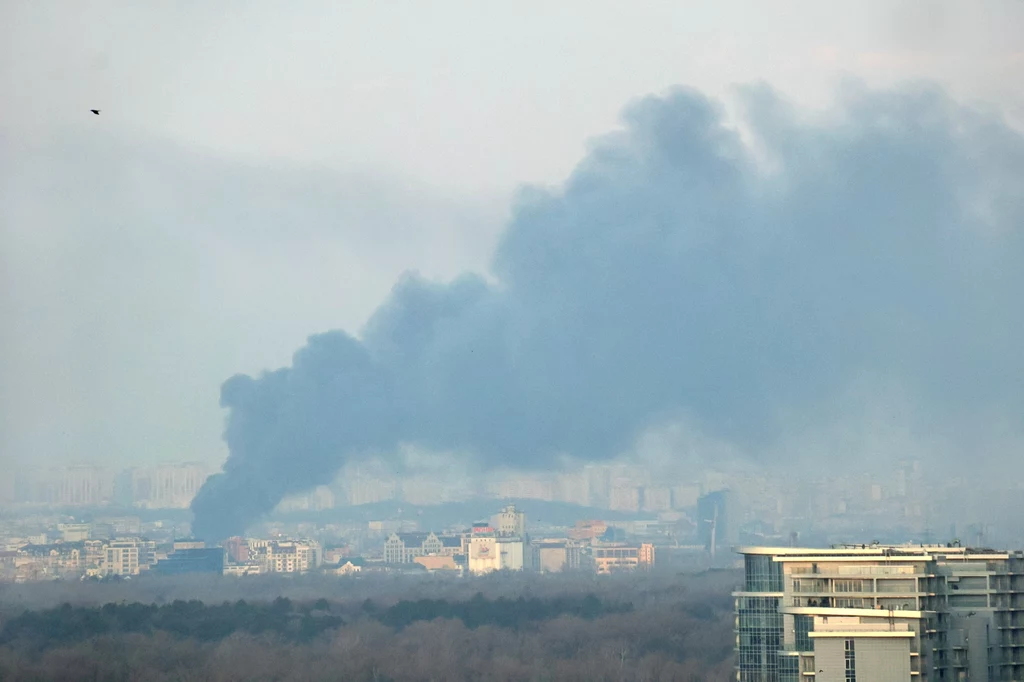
(880, 614)
(121, 558)
(285, 556)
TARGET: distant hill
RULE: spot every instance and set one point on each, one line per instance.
(464, 513)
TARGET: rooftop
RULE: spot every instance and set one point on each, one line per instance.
(906, 552)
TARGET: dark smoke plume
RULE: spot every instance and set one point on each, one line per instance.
(677, 271)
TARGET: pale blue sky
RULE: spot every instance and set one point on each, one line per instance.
(264, 170)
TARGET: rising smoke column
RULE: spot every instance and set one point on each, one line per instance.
(673, 272)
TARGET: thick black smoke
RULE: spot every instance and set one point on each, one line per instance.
(678, 271)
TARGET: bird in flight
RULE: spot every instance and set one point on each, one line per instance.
(95, 111)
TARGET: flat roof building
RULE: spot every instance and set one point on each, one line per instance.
(879, 614)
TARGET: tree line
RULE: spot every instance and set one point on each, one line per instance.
(639, 630)
(42, 629)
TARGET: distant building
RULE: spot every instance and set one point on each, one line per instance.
(553, 556)
(85, 486)
(488, 553)
(524, 487)
(236, 550)
(169, 486)
(369, 489)
(402, 548)
(620, 557)
(588, 530)
(74, 532)
(685, 496)
(512, 553)
(241, 570)
(285, 556)
(573, 488)
(717, 521)
(121, 558)
(454, 545)
(349, 566)
(439, 564)
(192, 560)
(484, 556)
(336, 555)
(645, 558)
(120, 525)
(319, 499)
(625, 498)
(657, 498)
(510, 522)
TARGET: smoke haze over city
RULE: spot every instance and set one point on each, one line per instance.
(521, 341)
(760, 285)
(302, 237)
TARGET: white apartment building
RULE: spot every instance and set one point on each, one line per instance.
(880, 614)
(285, 556)
(121, 558)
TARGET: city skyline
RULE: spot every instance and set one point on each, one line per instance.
(904, 502)
(582, 341)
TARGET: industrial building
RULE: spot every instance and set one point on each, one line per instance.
(880, 614)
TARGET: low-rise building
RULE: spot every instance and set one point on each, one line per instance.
(439, 564)
(617, 557)
(239, 570)
(192, 560)
(553, 556)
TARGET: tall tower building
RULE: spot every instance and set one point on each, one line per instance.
(717, 522)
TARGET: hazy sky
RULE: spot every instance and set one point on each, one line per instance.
(263, 171)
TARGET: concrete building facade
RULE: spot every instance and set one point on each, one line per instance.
(880, 614)
(553, 556)
(617, 557)
(510, 521)
(489, 553)
(403, 548)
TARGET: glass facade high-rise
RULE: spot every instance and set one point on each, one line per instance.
(880, 613)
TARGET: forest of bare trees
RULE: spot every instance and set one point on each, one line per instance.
(503, 627)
